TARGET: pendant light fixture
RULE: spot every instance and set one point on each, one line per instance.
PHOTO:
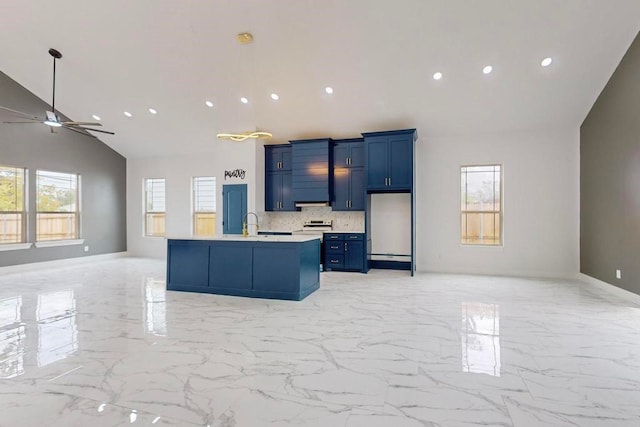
(244, 39)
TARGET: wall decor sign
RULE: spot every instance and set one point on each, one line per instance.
(238, 173)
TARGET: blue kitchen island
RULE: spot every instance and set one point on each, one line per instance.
(277, 267)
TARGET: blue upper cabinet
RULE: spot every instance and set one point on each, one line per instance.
(390, 160)
(348, 153)
(348, 175)
(310, 170)
(277, 157)
(278, 191)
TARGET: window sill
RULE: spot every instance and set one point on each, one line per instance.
(52, 243)
(15, 246)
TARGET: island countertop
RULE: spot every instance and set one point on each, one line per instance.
(296, 238)
(280, 267)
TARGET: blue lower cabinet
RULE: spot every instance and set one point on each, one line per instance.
(187, 264)
(334, 262)
(344, 252)
(271, 269)
(258, 269)
(353, 255)
(230, 266)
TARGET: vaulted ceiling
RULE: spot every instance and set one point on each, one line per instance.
(378, 55)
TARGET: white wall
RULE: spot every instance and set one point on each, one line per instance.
(178, 172)
(541, 203)
(541, 197)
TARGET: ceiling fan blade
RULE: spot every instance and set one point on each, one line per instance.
(93, 130)
(28, 116)
(81, 123)
(77, 131)
(27, 123)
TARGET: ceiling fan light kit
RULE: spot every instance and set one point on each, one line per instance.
(51, 119)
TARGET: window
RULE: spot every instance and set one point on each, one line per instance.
(154, 207)
(204, 206)
(58, 211)
(12, 206)
(481, 207)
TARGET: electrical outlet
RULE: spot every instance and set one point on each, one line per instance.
(86, 248)
(618, 274)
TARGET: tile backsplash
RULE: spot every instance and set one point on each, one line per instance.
(290, 221)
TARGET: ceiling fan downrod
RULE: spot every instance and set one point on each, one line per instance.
(56, 55)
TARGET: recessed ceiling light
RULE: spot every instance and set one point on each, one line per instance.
(437, 76)
(96, 117)
(128, 114)
(546, 62)
(328, 89)
(209, 104)
(487, 69)
(244, 100)
(152, 111)
(275, 96)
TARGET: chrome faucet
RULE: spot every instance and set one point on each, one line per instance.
(245, 230)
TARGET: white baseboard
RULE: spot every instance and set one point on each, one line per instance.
(60, 262)
(612, 289)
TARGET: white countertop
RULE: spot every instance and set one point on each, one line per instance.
(239, 238)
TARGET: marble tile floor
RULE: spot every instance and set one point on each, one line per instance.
(103, 344)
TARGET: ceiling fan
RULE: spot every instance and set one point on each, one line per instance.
(51, 119)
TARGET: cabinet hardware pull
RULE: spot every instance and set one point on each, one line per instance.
(335, 247)
(334, 237)
(334, 261)
(353, 237)
(346, 204)
(389, 181)
(345, 247)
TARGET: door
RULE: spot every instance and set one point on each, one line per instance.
(234, 207)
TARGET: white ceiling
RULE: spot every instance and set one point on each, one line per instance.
(378, 55)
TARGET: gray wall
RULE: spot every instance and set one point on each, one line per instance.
(610, 179)
(103, 177)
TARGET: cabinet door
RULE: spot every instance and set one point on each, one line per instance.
(272, 157)
(188, 264)
(353, 255)
(287, 193)
(356, 189)
(230, 266)
(401, 162)
(356, 155)
(377, 161)
(285, 158)
(272, 190)
(341, 154)
(340, 189)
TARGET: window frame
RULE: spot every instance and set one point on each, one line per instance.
(23, 213)
(145, 212)
(500, 212)
(77, 239)
(194, 203)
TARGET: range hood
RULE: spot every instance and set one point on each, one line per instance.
(311, 204)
